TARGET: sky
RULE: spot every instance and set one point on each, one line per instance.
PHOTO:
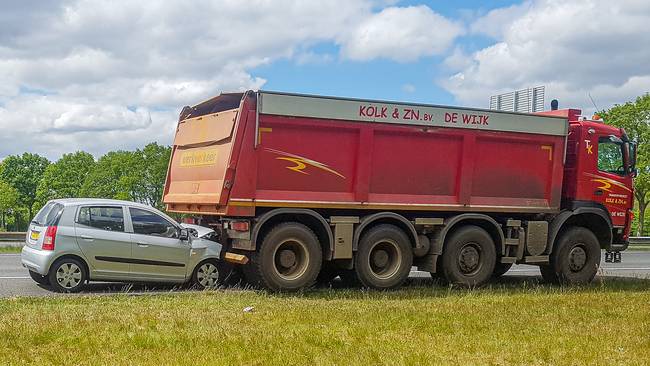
(109, 75)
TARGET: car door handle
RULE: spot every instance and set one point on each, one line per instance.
(87, 238)
(142, 244)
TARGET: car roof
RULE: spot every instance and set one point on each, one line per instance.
(98, 201)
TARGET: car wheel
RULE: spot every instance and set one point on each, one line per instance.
(206, 276)
(575, 258)
(469, 257)
(67, 275)
(38, 278)
(384, 258)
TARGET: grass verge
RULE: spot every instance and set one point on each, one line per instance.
(10, 250)
(506, 324)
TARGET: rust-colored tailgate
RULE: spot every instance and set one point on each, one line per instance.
(199, 159)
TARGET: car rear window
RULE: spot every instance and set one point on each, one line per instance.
(48, 215)
(102, 217)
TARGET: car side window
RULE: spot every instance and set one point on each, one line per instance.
(148, 223)
(102, 217)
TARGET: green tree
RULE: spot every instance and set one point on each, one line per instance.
(64, 178)
(634, 117)
(8, 201)
(115, 175)
(24, 173)
(152, 171)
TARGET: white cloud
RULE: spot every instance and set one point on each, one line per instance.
(574, 48)
(401, 34)
(408, 88)
(106, 70)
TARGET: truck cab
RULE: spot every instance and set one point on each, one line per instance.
(598, 172)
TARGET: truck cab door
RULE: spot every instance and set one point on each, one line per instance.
(611, 181)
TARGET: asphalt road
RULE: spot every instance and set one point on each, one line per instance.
(15, 280)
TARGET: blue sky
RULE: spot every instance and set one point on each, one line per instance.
(99, 76)
(380, 79)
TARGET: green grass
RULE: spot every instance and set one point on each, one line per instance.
(9, 250)
(520, 323)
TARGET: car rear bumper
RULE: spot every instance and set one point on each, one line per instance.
(35, 260)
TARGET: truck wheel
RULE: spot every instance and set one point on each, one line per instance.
(384, 258)
(500, 269)
(575, 258)
(469, 257)
(289, 259)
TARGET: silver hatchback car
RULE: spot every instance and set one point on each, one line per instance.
(72, 241)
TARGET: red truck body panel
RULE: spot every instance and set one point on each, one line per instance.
(281, 150)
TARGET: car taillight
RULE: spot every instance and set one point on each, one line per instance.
(49, 239)
(239, 225)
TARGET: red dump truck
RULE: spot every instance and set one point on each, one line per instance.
(306, 188)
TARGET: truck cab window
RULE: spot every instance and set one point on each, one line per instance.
(610, 156)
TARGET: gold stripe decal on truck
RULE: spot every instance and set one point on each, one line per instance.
(203, 157)
(301, 163)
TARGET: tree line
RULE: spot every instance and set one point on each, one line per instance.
(29, 180)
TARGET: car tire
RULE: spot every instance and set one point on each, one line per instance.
(67, 275)
(289, 259)
(207, 275)
(384, 258)
(575, 258)
(468, 257)
(500, 269)
(40, 279)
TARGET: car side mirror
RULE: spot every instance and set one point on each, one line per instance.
(184, 234)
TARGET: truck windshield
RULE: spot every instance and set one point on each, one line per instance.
(610, 156)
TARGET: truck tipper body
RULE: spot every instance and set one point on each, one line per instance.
(306, 188)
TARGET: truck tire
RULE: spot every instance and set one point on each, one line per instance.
(575, 258)
(500, 269)
(384, 258)
(468, 257)
(289, 259)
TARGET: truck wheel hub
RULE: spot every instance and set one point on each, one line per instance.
(469, 259)
(384, 259)
(577, 259)
(380, 258)
(287, 258)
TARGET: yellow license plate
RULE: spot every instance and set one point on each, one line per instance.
(34, 235)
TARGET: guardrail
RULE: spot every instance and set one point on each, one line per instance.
(12, 237)
(640, 240)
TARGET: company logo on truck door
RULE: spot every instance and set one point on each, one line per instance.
(302, 163)
(606, 183)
